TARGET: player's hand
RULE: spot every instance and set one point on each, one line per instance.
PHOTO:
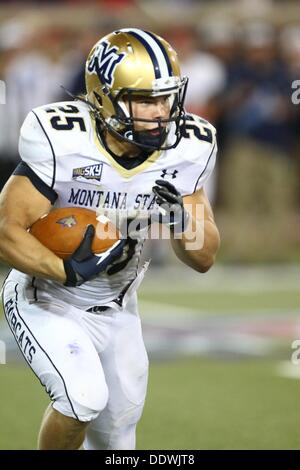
(172, 212)
(84, 265)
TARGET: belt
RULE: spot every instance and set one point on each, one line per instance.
(98, 309)
(118, 301)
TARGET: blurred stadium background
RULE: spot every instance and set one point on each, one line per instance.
(220, 344)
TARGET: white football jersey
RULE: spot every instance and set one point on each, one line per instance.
(59, 143)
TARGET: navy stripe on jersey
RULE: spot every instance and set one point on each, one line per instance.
(195, 187)
(52, 150)
(163, 50)
(150, 51)
(38, 344)
(23, 169)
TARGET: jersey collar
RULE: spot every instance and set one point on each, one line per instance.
(125, 173)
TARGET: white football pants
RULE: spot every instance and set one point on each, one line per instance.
(93, 366)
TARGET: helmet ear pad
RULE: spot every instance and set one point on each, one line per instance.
(108, 107)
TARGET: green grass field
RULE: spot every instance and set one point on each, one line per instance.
(204, 402)
(192, 404)
(228, 302)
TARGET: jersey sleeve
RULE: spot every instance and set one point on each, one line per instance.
(35, 149)
(196, 155)
(37, 155)
(208, 168)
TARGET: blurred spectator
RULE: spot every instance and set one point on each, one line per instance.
(263, 108)
(258, 119)
(36, 65)
(207, 75)
(86, 40)
(219, 39)
(289, 42)
(207, 80)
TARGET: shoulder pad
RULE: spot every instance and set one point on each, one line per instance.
(195, 154)
(199, 129)
(67, 125)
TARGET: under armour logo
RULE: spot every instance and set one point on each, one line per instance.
(171, 173)
(104, 61)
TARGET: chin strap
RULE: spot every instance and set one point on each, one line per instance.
(145, 138)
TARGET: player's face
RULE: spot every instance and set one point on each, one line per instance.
(149, 107)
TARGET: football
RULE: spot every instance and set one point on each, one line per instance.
(62, 230)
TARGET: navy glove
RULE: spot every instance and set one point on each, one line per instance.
(83, 265)
(172, 212)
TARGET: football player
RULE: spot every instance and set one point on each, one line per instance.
(127, 145)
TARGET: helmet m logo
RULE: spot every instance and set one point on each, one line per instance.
(104, 61)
